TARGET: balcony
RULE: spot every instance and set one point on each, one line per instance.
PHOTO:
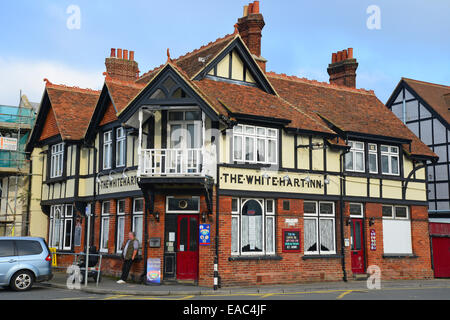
(172, 163)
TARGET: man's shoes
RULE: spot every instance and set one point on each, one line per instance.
(121, 281)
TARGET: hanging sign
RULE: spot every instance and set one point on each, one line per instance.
(291, 240)
(373, 240)
(153, 271)
(205, 234)
(8, 144)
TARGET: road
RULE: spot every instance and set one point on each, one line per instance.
(438, 292)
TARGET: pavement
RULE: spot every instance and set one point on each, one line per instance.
(108, 285)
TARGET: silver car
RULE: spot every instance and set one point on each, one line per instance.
(24, 261)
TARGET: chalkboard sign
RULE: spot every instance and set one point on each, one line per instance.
(291, 240)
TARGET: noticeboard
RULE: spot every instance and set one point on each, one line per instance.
(291, 240)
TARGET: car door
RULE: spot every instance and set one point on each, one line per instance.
(8, 259)
(32, 256)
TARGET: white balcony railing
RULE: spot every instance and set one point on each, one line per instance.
(171, 162)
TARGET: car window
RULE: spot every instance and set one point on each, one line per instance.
(6, 248)
(28, 247)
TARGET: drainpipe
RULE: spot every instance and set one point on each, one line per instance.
(341, 205)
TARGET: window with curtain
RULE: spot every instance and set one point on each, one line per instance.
(253, 226)
(61, 227)
(107, 150)
(120, 225)
(354, 159)
(57, 160)
(390, 160)
(255, 144)
(120, 147)
(319, 227)
(104, 233)
(138, 211)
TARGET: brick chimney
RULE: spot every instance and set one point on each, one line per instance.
(121, 66)
(342, 69)
(250, 28)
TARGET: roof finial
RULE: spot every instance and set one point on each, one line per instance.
(236, 30)
(47, 81)
(168, 56)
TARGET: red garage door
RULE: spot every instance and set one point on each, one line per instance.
(441, 257)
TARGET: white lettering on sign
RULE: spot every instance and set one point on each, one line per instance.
(291, 222)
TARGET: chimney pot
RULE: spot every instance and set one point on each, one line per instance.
(256, 7)
(334, 58)
(344, 54)
(119, 53)
(113, 53)
(250, 8)
(125, 54)
(339, 56)
(350, 53)
(131, 55)
(245, 11)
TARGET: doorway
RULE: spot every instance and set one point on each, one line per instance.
(187, 247)
(357, 246)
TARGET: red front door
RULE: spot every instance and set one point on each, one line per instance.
(441, 257)
(357, 246)
(187, 247)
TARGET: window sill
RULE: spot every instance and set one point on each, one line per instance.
(399, 256)
(322, 256)
(55, 180)
(255, 258)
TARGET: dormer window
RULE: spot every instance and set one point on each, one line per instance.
(255, 144)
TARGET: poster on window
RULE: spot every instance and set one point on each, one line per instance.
(153, 271)
(77, 236)
(373, 240)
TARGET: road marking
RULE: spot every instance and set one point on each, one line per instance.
(267, 295)
(78, 298)
(117, 296)
(185, 298)
(344, 294)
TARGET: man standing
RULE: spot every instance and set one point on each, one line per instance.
(129, 253)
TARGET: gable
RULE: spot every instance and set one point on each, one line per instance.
(167, 89)
(232, 67)
(50, 128)
(109, 115)
(235, 64)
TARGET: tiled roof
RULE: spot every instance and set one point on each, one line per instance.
(122, 92)
(253, 101)
(433, 94)
(350, 110)
(189, 62)
(73, 108)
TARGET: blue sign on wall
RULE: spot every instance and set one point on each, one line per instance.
(205, 234)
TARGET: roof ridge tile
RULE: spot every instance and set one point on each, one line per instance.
(48, 84)
(283, 76)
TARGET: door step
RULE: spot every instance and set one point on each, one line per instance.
(360, 276)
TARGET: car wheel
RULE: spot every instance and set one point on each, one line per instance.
(22, 281)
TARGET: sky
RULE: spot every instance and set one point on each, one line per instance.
(67, 41)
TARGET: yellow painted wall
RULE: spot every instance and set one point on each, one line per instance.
(392, 189)
(223, 67)
(374, 188)
(288, 155)
(416, 191)
(356, 187)
(333, 160)
(303, 153)
(237, 67)
(38, 220)
(317, 155)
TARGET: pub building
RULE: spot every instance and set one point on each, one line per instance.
(288, 179)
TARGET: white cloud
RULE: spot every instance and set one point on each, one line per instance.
(28, 76)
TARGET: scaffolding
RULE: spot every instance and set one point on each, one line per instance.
(15, 127)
